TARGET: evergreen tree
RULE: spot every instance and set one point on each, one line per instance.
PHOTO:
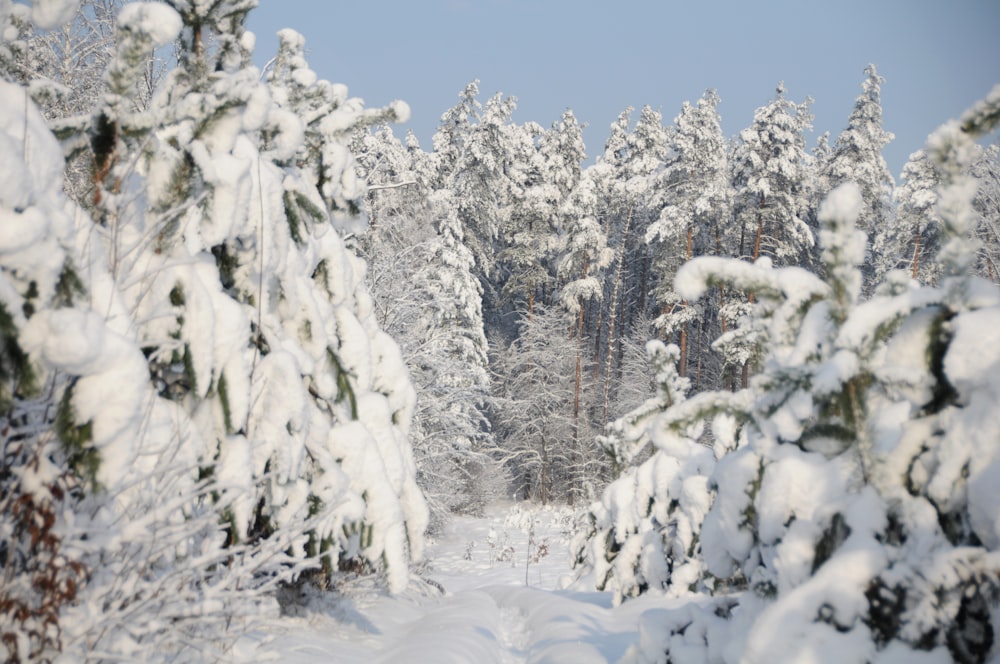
(107, 491)
(457, 384)
(451, 139)
(426, 294)
(484, 161)
(563, 152)
(527, 234)
(769, 177)
(551, 169)
(696, 209)
(584, 255)
(818, 187)
(631, 194)
(41, 570)
(397, 186)
(857, 157)
(857, 154)
(986, 170)
(613, 213)
(649, 148)
(910, 241)
(770, 208)
(229, 412)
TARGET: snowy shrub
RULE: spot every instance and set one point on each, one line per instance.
(40, 573)
(694, 632)
(644, 532)
(40, 577)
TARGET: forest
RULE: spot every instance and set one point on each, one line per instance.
(252, 340)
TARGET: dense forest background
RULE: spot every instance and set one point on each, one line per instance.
(573, 267)
(251, 339)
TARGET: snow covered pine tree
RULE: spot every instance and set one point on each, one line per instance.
(230, 411)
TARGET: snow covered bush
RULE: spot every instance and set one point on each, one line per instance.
(198, 400)
(41, 575)
(40, 578)
(644, 532)
(859, 508)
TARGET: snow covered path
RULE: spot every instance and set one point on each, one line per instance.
(487, 613)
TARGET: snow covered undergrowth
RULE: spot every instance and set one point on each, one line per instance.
(486, 613)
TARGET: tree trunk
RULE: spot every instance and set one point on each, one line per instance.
(612, 316)
(597, 342)
(543, 488)
(579, 366)
(916, 254)
(643, 279)
(683, 361)
(745, 377)
(697, 380)
(757, 239)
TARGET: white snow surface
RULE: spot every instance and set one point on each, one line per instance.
(486, 612)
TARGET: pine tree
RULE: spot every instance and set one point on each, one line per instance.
(427, 296)
(551, 165)
(113, 467)
(857, 157)
(769, 207)
(649, 192)
(631, 194)
(584, 255)
(42, 570)
(691, 223)
(910, 241)
(986, 170)
(458, 379)
(527, 234)
(451, 139)
(857, 154)
(485, 161)
(612, 212)
(207, 279)
(563, 152)
(769, 177)
(818, 186)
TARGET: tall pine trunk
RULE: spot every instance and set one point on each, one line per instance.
(683, 361)
(613, 315)
(745, 376)
(578, 375)
(916, 254)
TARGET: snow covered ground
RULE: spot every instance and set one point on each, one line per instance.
(486, 613)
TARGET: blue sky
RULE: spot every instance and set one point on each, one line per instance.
(599, 57)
